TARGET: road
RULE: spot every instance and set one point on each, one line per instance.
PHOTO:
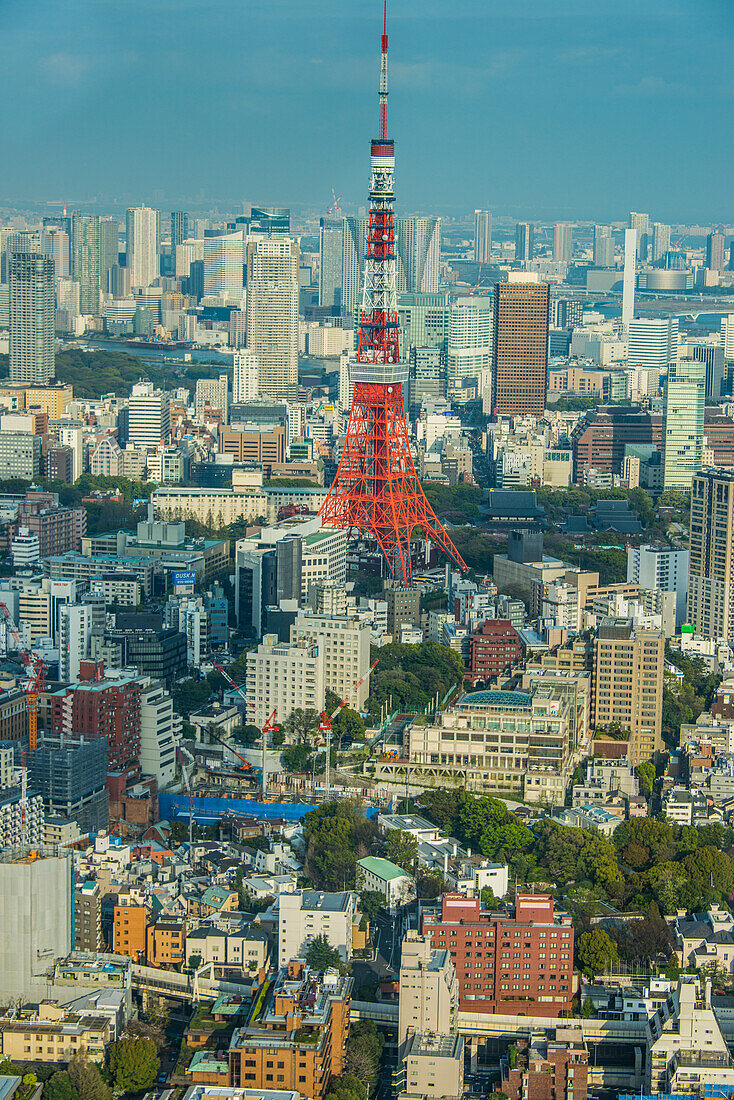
(389, 934)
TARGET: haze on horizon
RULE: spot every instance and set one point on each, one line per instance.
(566, 109)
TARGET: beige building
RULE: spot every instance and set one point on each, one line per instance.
(51, 399)
(345, 642)
(628, 685)
(34, 611)
(54, 1036)
(429, 989)
(272, 312)
(307, 914)
(283, 677)
(686, 1049)
(433, 1066)
(711, 556)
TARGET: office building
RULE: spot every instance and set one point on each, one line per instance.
(307, 914)
(423, 321)
(179, 229)
(272, 312)
(662, 568)
(69, 771)
(640, 223)
(469, 345)
(224, 266)
(715, 256)
(143, 245)
(427, 377)
(284, 677)
(711, 555)
(629, 277)
(20, 456)
(34, 931)
(31, 318)
(653, 342)
(85, 259)
(149, 421)
(55, 244)
(683, 423)
(524, 242)
(345, 641)
(214, 393)
(520, 346)
(628, 685)
(403, 606)
(603, 246)
(527, 954)
(353, 257)
(331, 246)
(97, 708)
(433, 1066)
(494, 647)
(482, 236)
(246, 376)
(109, 249)
(418, 254)
(600, 439)
(429, 989)
(562, 242)
(660, 242)
(274, 221)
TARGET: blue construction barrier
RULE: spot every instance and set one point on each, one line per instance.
(171, 806)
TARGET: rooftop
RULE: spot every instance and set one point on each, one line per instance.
(496, 699)
(381, 868)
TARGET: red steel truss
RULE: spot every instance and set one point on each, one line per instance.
(376, 489)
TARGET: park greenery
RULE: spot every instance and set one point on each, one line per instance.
(456, 503)
(409, 677)
(686, 697)
(133, 1064)
(337, 835)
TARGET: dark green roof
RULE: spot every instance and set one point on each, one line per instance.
(496, 699)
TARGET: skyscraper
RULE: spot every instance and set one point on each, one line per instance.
(603, 246)
(224, 265)
(109, 248)
(482, 236)
(85, 259)
(711, 554)
(331, 246)
(149, 417)
(143, 245)
(562, 242)
(641, 224)
(418, 254)
(683, 423)
(653, 342)
(275, 221)
(715, 251)
(179, 228)
(520, 351)
(272, 311)
(628, 279)
(55, 244)
(524, 241)
(246, 376)
(32, 317)
(660, 241)
(469, 350)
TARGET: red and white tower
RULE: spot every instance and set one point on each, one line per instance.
(376, 489)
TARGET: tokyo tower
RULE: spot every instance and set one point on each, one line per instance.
(376, 490)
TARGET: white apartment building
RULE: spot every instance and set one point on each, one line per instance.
(284, 676)
(652, 342)
(469, 351)
(159, 732)
(143, 245)
(148, 416)
(345, 642)
(224, 260)
(246, 378)
(429, 988)
(660, 567)
(25, 548)
(310, 913)
(215, 393)
(272, 311)
(75, 634)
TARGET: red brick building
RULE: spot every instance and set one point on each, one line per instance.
(59, 529)
(548, 1069)
(96, 707)
(599, 439)
(494, 648)
(507, 963)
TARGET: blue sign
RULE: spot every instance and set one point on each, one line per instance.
(188, 577)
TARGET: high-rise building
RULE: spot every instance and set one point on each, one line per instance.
(75, 632)
(95, 708)
(711, 554)
(629, 277)
(641, 224)
(663, 568)
(628, 685)
(346, 644)
(660, 242)
(149, 418)
(430, 998)
(653, 342)
(69, 771)
(603, 246)
(331, 246)
(109, 248)
(524, 241)
(520, 345)
(418, 254)
(158, 728)
(562, 242)
(246, 376)
(715, 252)
(353, 258)
(179, 228)
(85, 257)
(32, 318)
(685, 390)
(275, 221)
(469, 346)
(284, 677)
(143, 245)
(55, 244)
(213, 392)
(427, 376)
(224, 265)
(482, 236)
(423, 321)
(272, 311)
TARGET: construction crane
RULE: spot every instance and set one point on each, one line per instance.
(327, 720)
(35, 667)
(268, 727)
(335, 208)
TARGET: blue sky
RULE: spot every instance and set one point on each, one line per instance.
(534, 108)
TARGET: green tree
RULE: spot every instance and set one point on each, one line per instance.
(645, 772)
(348, 726)
(320, 955)
(296, 758)
(429, 884)
(370, 904)
(364, 1052)
(59, 1087)
(300, 724)
(337, 835)
(401, 847)
(597, 951)
(347, 1087)
(87, 1080)
(134, 1064)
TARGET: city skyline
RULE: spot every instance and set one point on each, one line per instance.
(559, 90)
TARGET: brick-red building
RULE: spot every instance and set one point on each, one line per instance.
(494, 648)
(599, 439)
(59, 529)
(548, 1069)
(96, 707)
(509, 963)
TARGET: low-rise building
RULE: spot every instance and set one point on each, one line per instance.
(310, 913)
(54, 1035)
(386, 879)
(548, 1069)
(433, 1067)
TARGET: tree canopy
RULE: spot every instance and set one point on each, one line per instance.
(134, 1064)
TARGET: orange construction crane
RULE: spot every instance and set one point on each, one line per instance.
(325, 724)
(268, 727)
(35, 667)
